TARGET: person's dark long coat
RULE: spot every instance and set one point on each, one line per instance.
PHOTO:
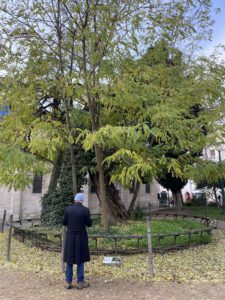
(76, 218)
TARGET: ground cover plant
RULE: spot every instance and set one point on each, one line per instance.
(212, 212)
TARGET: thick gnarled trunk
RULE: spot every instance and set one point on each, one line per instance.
(177, 196)
(136, 191)
(55, 172)
(116, 208)
(102, 191)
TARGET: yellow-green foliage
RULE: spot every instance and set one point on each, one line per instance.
(163, 112)
(86, 52)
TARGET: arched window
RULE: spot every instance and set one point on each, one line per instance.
(93, 188)
(132, 186)
(37, 184)
(147, 188)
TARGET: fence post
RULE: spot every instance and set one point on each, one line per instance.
(62, 250)
(150, 254)
(3, 220)
(9, 238)
(206, 209)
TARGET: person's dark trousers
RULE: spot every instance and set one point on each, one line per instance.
(69, 273)
(80, 272)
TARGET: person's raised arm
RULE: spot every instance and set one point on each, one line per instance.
(88, 221)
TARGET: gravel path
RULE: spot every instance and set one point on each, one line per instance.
(16, 285)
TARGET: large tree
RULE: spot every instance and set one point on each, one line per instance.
(157, 130)
(84, 41)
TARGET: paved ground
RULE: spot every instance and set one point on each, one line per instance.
(17, 285)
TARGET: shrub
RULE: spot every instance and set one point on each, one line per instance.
(212, 204)
(54, 204)
(199, 199)
(191, 203)
(137, 214)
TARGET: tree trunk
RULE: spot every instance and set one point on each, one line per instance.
(136, 191)
(177, 196)
(74, 169)
(117, 210)
(215, 194)
(56, 172)
(65, 99)
(103, 201)
(94, 110)
(116, 206)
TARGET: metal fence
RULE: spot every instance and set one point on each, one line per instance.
(126, 244)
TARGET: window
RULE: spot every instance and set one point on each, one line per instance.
(132, 186)
(147, 188)
(93, 188)
(37, 184)
(212, 153)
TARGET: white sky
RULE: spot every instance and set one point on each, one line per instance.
(218, 29)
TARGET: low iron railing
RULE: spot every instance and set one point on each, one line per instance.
(98, 242)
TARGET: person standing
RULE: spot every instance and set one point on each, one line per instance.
(76, 250)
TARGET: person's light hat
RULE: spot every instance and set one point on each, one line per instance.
(79, 197)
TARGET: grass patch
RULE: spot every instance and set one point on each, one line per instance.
(212, 212)
(139, 228)
(134, 229)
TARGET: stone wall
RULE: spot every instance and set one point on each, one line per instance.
(6, 201)
(31, 202)
(27, 205)
(22, 204)
(142, 200)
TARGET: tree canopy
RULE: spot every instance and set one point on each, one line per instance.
(58, 56)
(155, 100)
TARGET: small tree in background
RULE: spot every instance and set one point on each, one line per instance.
(175, 184)
(213, 182)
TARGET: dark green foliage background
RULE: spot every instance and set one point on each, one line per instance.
(54, 204)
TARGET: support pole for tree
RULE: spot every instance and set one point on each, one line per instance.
(9, 238)
(63, 246)
(3, 221)
(150, 253)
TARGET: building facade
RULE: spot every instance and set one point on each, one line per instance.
(24, 204)
(147, 193)
(27, 204)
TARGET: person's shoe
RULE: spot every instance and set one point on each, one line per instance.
(68, 285)
(82, 285)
